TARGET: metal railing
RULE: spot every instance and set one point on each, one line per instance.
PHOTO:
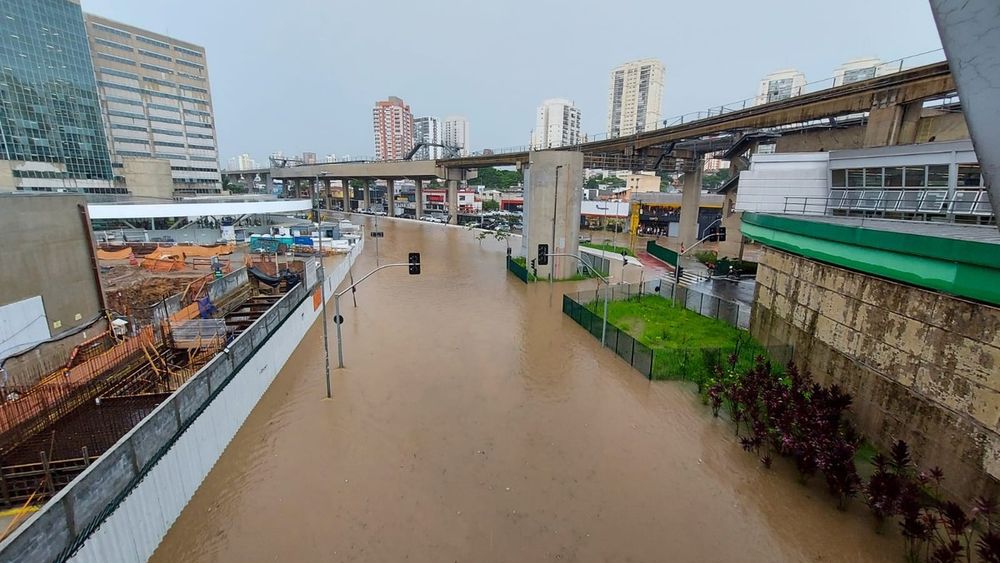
(887, 67)
(733, 313)
(963, 205)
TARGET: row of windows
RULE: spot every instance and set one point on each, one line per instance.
(155, 55)
(113, 44)
(111, 30)
(186, 51)
(118, 126)
(156, 68)
(113, 58)
(150, 92)
(154, 42)
(963, 202)
(934, 175)
(190, 64)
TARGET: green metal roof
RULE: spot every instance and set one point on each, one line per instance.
(962, 260)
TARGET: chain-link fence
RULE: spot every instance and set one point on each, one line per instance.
(637, 354)
(690, 363)
(732, 313)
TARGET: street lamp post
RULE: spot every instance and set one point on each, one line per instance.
(322, 293)
(555, 212)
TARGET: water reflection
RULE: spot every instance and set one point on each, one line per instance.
(475, 422)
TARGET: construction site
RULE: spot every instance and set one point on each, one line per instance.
(165, 311)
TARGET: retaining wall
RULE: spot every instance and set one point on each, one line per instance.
(922, 366)
(121, 506)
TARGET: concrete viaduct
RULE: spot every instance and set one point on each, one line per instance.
(893, 105)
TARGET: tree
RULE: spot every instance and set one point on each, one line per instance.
(491, 205)
(714, 181)
(595, 182)
(496, 179)
(434, 184)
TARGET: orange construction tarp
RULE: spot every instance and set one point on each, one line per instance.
(191, 250)
(123, 254)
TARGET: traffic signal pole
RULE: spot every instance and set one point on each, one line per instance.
(414, 267)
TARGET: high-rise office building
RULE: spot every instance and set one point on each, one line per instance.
(557, 124)
(856, 70)
(455, 133)
(635, 96)
(51, 135)
(155, 96)
(244, 162)
(427, 130)
(393, 125)
(780, 85)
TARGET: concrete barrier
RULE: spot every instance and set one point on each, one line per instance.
(121, 506)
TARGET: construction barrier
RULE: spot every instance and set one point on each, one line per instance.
(123, 254)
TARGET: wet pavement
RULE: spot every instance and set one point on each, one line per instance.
(476, 422)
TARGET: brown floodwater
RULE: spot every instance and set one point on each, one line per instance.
(476, 422)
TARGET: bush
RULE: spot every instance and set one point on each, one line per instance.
(707, 257)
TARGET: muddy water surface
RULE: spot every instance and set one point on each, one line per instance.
(476, 422)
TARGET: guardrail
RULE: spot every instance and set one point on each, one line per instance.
(904, 203)
(122, 504)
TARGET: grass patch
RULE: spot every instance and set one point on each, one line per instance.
(608, 248)
(685, 344)
(523, 262)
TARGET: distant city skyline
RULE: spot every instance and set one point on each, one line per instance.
(330, 111)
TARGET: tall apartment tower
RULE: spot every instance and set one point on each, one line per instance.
(156, 101)
(51, 134)
(780, 85)
(455, 133)
(393, 125)
(856, 70)
(635, 96)
(427, 130)
(557, 124)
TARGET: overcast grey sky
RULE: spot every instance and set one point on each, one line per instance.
(299, 75)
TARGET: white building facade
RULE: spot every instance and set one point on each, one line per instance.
(856, 70)
(557, 124)
(427, 130)
(635, 96)
(156, 101)
(780, 85)
(455, 133)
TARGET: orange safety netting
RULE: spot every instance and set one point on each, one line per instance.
(123, 254)
(164, 263)
(192, 250)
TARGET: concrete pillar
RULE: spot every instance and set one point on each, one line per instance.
(390, 197)
(553, 202)
(345, 193)
(326, 192)
(419, 209)
(366, 195)
(892, 123)
(452, 201)
(691, 204)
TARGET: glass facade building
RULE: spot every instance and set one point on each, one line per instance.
(49, 108)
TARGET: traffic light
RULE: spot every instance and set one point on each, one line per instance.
(717, 234)
(414, 263)
(543, 254)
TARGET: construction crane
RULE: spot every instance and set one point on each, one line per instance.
(449, 151)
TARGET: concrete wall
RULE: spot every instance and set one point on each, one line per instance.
(6, 176)
(226, 285)
(148, 177)
(921, 366)
(774, 177)
(46, 252)
(136, 490)
(546, 203)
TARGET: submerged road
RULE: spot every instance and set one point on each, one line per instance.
(476, 422)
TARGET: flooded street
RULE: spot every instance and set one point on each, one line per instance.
(476, 422)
